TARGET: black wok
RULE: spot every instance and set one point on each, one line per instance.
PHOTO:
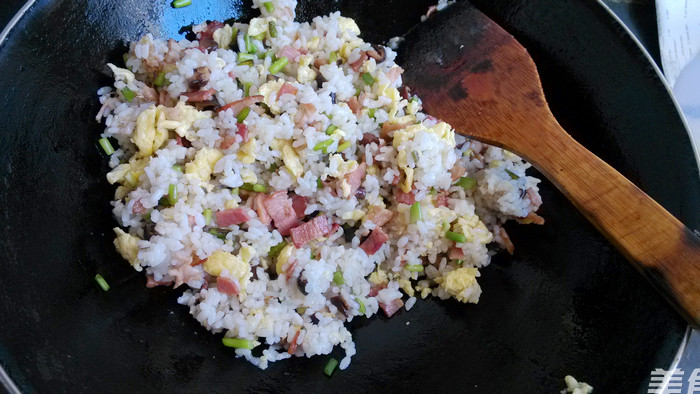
(566, 303)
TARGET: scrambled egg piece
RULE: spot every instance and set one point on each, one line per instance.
(203, 163)
(283, 258)
(291, 159)
(405, 285)
(355, 214)
(146, 136)
(246, 153)
(236, 267)
(312, 44)
(442, 130)
(304, 73)
(127, 246)
(181, 118)
(378, 277)
(128, 173)
(223, 36)
(461, 284)
(338, 168)
(266, 90)
(259, 25)
(248, 176)
(121, 73)
(230, 204)
(348, 25)
(474, 229)
(247, 253)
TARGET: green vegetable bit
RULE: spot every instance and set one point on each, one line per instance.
(249, 47)
(207, 216)
(278, 65)
(362, 306)
(243, 114)
(457, 237)
(275, 250)
(246, 88)
(416, 212)
(331, 129)
(272, 28)
(319, 183)
(177, 168)
(414, 267)
(218, 233)
(248, 63)
(244, 57)
(370, 112)
(330, 367)
(181, 3)
(344, 145)
(333, 57)
(459, 262)
(172, 194)
(466, 183)
(367, 78)
(433, 191)
(128, 94)
(258, 188)
(106, 145)
(269, 6)
(102, 282)
(259, 37)
(512, 174)
(338, 278)
(274, 167)
(323, 144)
(160, 79)
(238, 343)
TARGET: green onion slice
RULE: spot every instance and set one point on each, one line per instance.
(272, 28)
(466, 183)
(160, 79)
(102, 282)
(323, 144)
(106, 145)
(416, 212)
(330, 367)
(275, 250)
(344, 145)
(249, 47)
(128, 94)
(238, 343)
(331, 129)
(207, 216)
(338, 278)
(333, 57)
(243, 114)
(367, 78)
(258, 188)
(181, 3)
(512, 174)
(172, 194)
(244, 57)
(456, 237)
(278, 65)
(362, 306)
(414, 267)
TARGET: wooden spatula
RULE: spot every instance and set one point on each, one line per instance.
(472, 74)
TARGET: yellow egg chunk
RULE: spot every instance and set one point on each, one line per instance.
(461, 284)
(127, 246)
(203, 163)
(236, 267)
(291, 159)
(283, 258)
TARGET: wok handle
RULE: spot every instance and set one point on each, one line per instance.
(658, 245)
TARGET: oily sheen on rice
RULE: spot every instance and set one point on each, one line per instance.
(333, 198)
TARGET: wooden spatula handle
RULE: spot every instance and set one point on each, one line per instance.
(659, 245)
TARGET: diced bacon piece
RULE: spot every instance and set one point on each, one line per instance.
(201, 95)
(197, 261)
(242, 130)
(368, 138)
(441, 199)
(394, 73)
(304, 113)
(206, 40)
(293, 344)
(299, 205)
(534, 218)
(279, 207)
(138, 207)
(263, 216)
(535, 199)
(354, 179)
(191, 220)
(392, 307)
(357, 64)
(379, 216)
(151, 283)
(237, 106)
(290, 53)
(374, 290)
(456, 254)
(457, 172)
(388, 129)
(395, 180)
(287, 88)
(374, 242)
(316, 228)
(502, 238)
(227, 141)
(228, 217)
(334, 228)
(227, 286)
(431, 10)
(405, 198)
(354, 105)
